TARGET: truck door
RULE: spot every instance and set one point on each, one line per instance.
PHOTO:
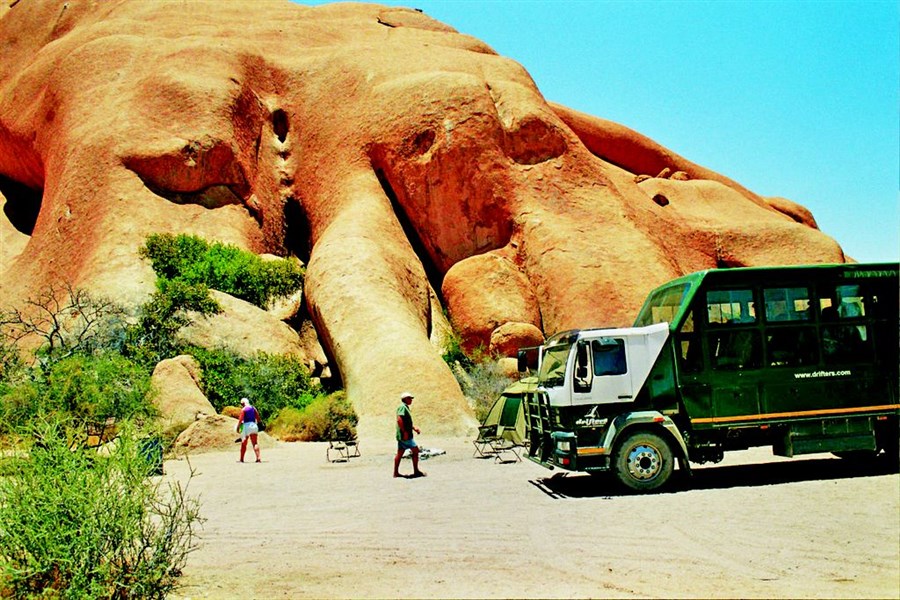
(734, 344)
(601, 372)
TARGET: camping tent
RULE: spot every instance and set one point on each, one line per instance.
(508, 414)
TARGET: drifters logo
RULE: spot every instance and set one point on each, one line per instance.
(822, 374)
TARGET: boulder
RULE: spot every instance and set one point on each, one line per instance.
(216, 432)
(485, 292)
(507, 339)
(243, 328)
(178, 398)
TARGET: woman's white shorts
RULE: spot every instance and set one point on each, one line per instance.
(248, 429)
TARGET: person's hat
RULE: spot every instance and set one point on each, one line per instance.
(406, 395)
(245, 401)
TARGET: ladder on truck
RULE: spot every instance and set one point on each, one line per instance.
(538, 426)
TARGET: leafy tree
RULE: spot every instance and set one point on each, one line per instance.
(152, 339)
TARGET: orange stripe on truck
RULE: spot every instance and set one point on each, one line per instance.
(804, 413)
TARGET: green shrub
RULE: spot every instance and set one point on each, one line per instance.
(453, 353)
(271, 381)
(152, 338)
(222, 267)
(325, 418)
(480, 378)
(78, 524)
(85, 388)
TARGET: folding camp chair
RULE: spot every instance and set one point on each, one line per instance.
(487, 434)
(506, 441)
(342, 450)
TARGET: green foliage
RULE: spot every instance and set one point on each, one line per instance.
(480, 378)
(271, 381)
(481, 384)
(325, 418)
(223, 267)
(453, 353)
(152, 339)
(84, 388)
(78, 524)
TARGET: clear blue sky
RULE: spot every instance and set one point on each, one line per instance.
(796, 99)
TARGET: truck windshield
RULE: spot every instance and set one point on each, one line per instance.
(553, 366)
(663, 305)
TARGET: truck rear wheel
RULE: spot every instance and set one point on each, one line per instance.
(643, 461)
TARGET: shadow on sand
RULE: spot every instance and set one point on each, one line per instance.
(604, 485)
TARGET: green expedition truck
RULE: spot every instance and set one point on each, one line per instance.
(803, 359)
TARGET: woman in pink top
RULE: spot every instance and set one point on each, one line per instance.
(250, 421)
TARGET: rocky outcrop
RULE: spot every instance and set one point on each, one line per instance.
(242, 328)
(216, 432)
(178, 395)
(391, 154)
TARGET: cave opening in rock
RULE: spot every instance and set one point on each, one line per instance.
(280, 124)
(23, 204)
(296, 230)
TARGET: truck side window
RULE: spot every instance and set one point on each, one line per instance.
(734, 350)
(846, 343)
(689, 352)
(791, 346)
(583, 377)
(787, 304)
(842, 302)
(609, 358)
(726, 307)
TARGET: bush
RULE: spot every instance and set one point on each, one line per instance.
(226, 268)
(453, 353)
(66, 320)
(83, 388)
(77, 524)
(271, 381)
(152, 339)
(480, 378)
(325, 418)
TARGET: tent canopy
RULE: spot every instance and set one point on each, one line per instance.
(507, 412)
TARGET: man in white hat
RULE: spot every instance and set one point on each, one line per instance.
(405, 441)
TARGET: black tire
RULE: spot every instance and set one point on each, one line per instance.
(643, 461)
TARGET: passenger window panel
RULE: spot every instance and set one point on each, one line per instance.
(787, 304)
(791, 347)
(729, 307)
(735, 350)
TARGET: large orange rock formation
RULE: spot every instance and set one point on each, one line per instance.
(409, 164)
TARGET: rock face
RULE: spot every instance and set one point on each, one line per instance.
(179, 399)
(393, 155)
(242, 328)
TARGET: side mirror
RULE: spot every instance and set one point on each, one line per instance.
(522, 361)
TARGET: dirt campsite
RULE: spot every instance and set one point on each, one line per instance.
(753, 526)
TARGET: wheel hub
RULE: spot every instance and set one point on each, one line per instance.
(644, 462)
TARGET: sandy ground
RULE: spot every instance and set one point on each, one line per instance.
(296, 526)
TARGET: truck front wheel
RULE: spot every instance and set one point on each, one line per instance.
(643, 461)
